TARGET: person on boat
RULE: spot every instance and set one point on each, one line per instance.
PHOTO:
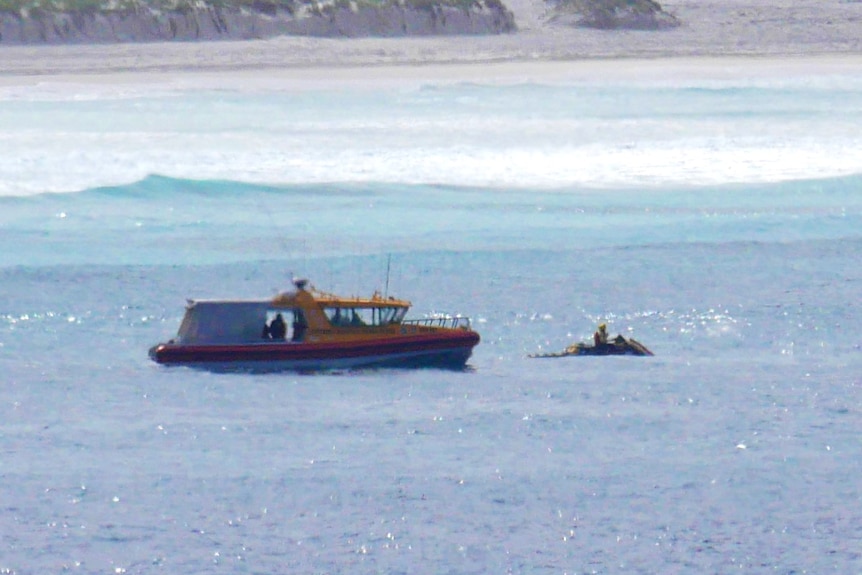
(277, 328)
(337, 319)
(299, 325)
(600, 338)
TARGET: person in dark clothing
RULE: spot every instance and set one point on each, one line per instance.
(299, 325)
(277, 328)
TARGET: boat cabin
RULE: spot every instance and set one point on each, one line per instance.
(294, 316)
(232, 322)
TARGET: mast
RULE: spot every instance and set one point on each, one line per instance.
(388, 263)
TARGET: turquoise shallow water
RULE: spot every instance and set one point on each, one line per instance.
(735, 447)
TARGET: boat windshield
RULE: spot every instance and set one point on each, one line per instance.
(364, 316)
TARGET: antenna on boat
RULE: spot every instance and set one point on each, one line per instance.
(388, 264)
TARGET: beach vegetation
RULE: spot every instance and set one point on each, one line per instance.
(270, 7)
(432, 4)
(91, 6)
(612, 14)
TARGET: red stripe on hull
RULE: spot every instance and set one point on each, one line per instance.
(378, 351)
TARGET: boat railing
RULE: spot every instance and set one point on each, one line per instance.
(457, 322)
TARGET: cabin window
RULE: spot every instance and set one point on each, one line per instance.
(387, 315)
(359, 316)
(345, 316)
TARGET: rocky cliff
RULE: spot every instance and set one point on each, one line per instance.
(147, 23)
(25, 22)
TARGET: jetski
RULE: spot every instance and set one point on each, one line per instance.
(617, 346)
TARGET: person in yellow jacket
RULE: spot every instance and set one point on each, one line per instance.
(600, 338)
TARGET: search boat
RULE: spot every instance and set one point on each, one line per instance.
(305, 329)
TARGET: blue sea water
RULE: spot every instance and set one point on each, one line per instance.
(719, 222)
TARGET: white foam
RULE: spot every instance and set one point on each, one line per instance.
(65, 137)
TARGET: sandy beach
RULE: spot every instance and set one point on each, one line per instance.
(810, 33)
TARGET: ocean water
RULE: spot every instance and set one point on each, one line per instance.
(718, 221)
